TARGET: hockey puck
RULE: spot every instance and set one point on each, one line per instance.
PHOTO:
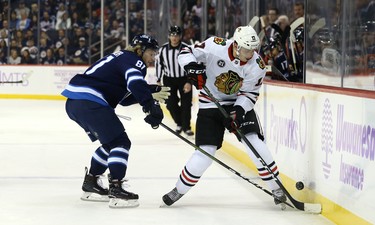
(300, 185)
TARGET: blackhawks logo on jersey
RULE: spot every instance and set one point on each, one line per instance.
(260, 63)
(219, 41)
(229, 83)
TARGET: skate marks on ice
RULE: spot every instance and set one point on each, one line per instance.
(43, 155)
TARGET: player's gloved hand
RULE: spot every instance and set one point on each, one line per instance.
(160, 93)
(236, 118)
(196, 74)
(154, 114)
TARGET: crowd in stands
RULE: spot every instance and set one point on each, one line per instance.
(69, 32)
(63, 32)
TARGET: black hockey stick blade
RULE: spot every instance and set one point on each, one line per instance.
(11, 82)
(308, 207)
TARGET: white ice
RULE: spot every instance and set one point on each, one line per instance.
(42, 158)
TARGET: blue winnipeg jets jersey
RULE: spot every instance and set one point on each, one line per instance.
(115, 79)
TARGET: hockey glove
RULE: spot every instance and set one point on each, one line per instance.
(160, 93)
(236, 118)
(196, 74)
(154, 114)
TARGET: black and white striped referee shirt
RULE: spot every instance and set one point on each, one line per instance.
(166, 62)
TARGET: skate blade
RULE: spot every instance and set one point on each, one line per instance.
(121, 203)
(163, 205)
(282, 206)
(93, 197)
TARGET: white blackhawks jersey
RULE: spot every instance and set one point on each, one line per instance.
(229, 80)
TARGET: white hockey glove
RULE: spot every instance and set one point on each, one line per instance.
(161, 93)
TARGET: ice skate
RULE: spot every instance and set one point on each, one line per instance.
(189, 134)
(171, 197)
(120, 198)
(93, 189)
(279, 198)
(178, 129)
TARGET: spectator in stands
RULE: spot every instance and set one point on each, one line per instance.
(3, 51)
(116, 32)
(30, 44)
(64, 22)
(75, 21)
(34, 23)
(5, 26)
(46, 23)
(61, 58)
(95, 19)
(197, 8)
(13, 21)
(272, 15)
(43, 34)
(136, 25)
(43, 46)
(81, 54)
(25, 57)
(93, 40)
(34, 10)
(24, 22)
(78, 33)
(4, 32)
(60, 11)
(14, 45)
(18, 37)
(14, 58)
(22, 9)
(298, 10)
(49, 59)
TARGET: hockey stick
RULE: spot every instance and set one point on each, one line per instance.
(254, 21)
(11, 82)
(308, 207)
(298, 22)
(211, 157)
(218, 161)
(278, 74)
(24, 79)
(320, 23)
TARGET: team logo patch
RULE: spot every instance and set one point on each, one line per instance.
(229, 83)
(221, 63)
(219, 41)
(260, 63)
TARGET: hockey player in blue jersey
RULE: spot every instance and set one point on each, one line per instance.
(118, 78)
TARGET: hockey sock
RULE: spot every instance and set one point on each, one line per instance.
(264, 152)
(194, 169)
(99, 162)
(118, 162)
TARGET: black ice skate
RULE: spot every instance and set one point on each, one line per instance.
(171, 197)
(93, 189)
(279, 198)
(120, 198)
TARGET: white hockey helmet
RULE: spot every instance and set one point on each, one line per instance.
(246, 37)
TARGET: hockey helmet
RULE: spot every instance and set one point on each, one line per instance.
(274, 43)
(246, 37)
(175, 30)
(145, 41)
(299, 34)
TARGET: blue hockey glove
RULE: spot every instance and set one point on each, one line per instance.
(154, 114)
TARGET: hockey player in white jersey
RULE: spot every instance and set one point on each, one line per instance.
(233, 72)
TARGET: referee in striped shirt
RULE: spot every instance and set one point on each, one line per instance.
(172, 75)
